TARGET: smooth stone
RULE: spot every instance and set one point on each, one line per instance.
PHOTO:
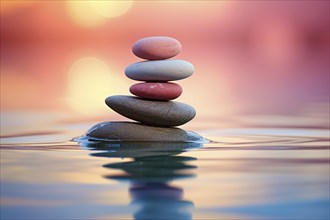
(136, 133)
(156, 90)
(156, 48)
(159, 70)
(156, 113)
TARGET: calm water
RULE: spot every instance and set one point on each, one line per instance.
(256, 171)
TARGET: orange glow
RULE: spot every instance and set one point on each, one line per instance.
(90, 81)
(90, 13)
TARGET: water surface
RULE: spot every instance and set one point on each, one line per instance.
(246, 172)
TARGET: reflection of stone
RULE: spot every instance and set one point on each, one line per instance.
(153, 167)
(159, 201)
(154, 197)
(138, 149)
(157, 169)
(152, 190)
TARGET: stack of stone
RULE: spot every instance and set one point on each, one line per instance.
(151, 105)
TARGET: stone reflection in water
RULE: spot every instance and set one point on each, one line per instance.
(137, 149)
(150, 173)
(151, 190)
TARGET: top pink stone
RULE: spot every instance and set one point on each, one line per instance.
(156, 48)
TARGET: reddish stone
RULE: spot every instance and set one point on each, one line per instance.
(156, 48)
(156, 90)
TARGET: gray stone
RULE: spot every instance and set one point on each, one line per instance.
(137, 149)
(136, 132)
(155, 113)
(160, 70)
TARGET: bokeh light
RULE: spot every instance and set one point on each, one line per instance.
(89, 13)
(89, 81)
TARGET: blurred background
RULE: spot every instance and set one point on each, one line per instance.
(252, 58)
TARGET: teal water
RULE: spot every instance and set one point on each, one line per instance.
(246, 172)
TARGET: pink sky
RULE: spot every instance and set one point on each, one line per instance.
(253, 57)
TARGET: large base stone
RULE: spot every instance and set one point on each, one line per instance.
(131, 132)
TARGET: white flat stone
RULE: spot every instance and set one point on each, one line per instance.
(160, 70)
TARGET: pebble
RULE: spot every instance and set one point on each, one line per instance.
(156, 90)
(156, 48)
(131, 131)
(160, 70)
(155, 113)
